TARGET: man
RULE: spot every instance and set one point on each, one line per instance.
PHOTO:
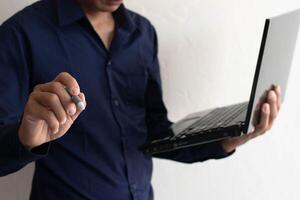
(105, 54)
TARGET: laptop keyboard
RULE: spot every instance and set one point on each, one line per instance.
(219, 117)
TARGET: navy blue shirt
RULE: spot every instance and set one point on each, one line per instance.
(98, 158)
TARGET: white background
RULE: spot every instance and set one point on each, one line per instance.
(208, 52)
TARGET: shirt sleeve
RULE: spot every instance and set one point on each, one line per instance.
(14, 89)
(158, 123)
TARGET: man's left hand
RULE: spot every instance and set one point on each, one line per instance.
(266, 110)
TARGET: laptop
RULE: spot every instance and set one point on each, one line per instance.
(273, 67)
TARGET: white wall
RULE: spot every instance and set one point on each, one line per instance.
(208, 52)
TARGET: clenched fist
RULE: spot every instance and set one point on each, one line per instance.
(49, 112)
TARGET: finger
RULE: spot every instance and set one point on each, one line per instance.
(257, 110)
(52, 102)
(261, 100)
(69, 81)
(277, 90)
(253, 135)
(59, 89)
(42, 113)
(82, 97)
(255, 119)
(264, 120)
(272, 100)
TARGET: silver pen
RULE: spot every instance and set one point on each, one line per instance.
(76, 99)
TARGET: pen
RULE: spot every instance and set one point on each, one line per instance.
(76, 100)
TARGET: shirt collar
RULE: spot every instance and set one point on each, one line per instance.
(124, 19)
(69, 11)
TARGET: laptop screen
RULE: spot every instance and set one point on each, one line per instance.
(275, 58)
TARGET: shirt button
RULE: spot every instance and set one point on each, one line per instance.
(134, 186)
(109, 63)
(116, 102)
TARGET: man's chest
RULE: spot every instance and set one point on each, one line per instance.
(120, 73)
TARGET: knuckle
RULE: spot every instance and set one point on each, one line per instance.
(34, 95)
(73, 82)
(48, 115)
(64, 74)
(30, 107)
(37, 87)
(55, 85)
(52, 97)
(51, 118)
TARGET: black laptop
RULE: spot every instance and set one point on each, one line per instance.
(273, 67)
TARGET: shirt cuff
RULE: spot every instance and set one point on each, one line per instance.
(204, 152)
(197, 153)
(24, 155)
(219, 151)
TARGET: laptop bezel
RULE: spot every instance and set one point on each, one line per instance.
(256, 76)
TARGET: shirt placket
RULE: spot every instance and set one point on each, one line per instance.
(117, 104)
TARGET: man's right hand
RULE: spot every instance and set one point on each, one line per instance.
(49, 112)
